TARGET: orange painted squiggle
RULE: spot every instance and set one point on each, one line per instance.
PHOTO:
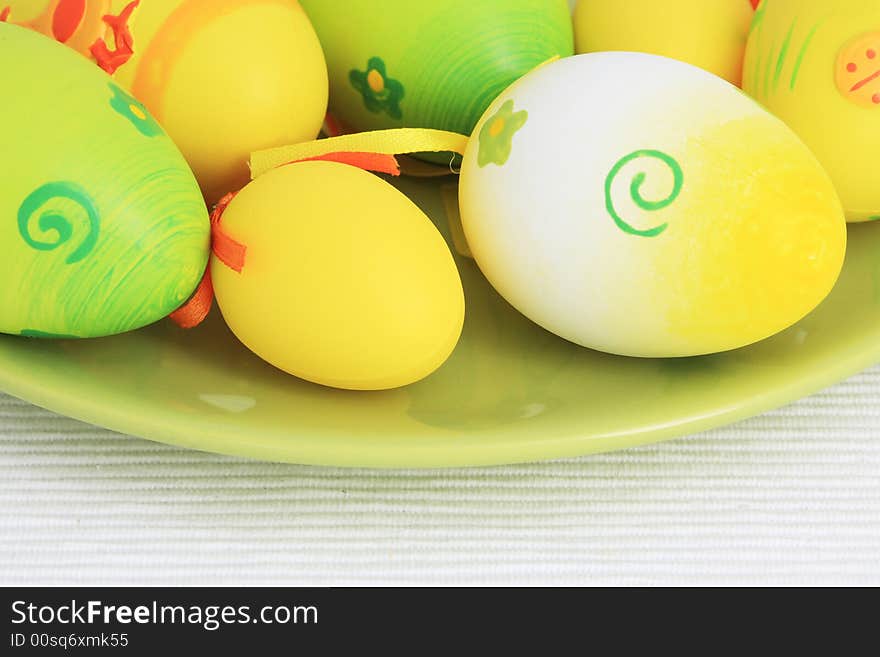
(123, 41)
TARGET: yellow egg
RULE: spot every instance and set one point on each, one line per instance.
(658, 211)
(345, 281)
(816, 65)
(710, 34)
(223, 77)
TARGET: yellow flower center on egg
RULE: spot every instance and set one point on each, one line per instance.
(376, 81)
(138, 112)
(496, 128)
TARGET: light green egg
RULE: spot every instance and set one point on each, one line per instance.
(399, 63)
(102, 226)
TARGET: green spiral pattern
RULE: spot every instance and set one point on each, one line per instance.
(43, 205)
(635, 191)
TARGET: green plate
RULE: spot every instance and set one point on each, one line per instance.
(511, 392)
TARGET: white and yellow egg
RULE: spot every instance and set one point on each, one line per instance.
(657, 212)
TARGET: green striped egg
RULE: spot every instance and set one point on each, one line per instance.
(102, 226)
(399, 63)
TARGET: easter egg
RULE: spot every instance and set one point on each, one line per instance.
(105, 229)
(710, 34)
(398, 63)
(816, 65)
(345, 282)
(658, 212)
(223, 77)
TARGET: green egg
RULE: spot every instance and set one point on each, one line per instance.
(102, 226)
(400, 63)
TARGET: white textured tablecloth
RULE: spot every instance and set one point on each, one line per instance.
(792, 497)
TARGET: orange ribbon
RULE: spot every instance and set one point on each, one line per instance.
(233, 253)
(196, 310)
(377, 162)
(230, 252)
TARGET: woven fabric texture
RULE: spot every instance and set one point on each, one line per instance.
(791, 497)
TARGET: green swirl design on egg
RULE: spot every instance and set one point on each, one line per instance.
(103, 227)
(52, 205)
(635, 191)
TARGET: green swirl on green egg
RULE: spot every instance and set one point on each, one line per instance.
(52, 206)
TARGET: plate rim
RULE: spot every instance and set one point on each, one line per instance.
(211, 438)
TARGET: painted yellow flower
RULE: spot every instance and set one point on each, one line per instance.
(381, 93)
(496, 136)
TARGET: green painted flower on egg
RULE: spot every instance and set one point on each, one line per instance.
(105, 230)
(132, 109)
(381, 93)
(496, 135)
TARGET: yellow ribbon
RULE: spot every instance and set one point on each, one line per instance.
(386, 142)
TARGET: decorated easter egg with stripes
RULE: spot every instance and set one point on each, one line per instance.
(399, 63)
(657, 212)
(223, 77)
(103, 228)
(816, 65)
